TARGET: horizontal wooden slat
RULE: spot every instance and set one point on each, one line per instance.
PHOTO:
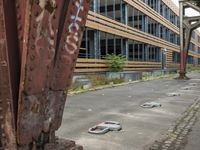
(99, 65)
(91, 65)
(82, 60)
(142, 66)
(144, 63)
(91, 70)
(140, 69)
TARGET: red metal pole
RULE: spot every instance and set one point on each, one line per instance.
(183, 47)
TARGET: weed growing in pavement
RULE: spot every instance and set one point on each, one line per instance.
(96, 81)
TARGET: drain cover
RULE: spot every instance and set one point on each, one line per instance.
(150, 105)
(173, 94)
(105, 127)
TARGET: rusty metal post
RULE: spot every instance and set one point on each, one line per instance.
(183, 53)
(187, 25)
(43, 38)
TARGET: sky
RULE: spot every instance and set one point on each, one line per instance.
(176, 2)
(189, 12)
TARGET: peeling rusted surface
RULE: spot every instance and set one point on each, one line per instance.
(41, 112)
(54, 33)
(39, 44)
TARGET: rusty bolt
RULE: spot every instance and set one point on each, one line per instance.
(31, 68)
(33, 47)
(26, 99)
(32, 57)
(36, 13)
(20, 37)
(17, 5)
(49, 56)
(35, 25)
(30, 78)
(19, 27)
(3, 135)
(48, 66)
(18, 16)
(52, 36)
(33, 36)
(37, 2)
(2, 126)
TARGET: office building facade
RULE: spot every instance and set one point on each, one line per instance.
(146, 32)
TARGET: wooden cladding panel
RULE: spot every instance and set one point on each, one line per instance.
(98, 65)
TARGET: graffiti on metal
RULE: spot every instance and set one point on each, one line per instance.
(47, 40)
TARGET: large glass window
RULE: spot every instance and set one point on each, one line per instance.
(118, 10)
(87, 45)
(111, 47)
(130, 16)
(190, 60)
(130, 50)
(141, 21)
(163, 9)
(110, 9)
(111, 44)
(136, 18)
(103, 7)
(103, 44)
(118, 42)
(176, 57)
(136, 52)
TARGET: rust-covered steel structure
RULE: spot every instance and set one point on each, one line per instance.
(39, 44)
(187, 25)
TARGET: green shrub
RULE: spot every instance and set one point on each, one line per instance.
(116, 62)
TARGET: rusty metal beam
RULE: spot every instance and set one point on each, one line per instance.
(187, 25)
(52, 38)
(39, 45)
(9, 75)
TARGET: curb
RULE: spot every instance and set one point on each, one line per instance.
(113, 85)
(176, 136)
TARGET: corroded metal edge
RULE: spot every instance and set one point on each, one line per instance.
(50, 45)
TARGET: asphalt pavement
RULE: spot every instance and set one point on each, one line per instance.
(140, 126)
